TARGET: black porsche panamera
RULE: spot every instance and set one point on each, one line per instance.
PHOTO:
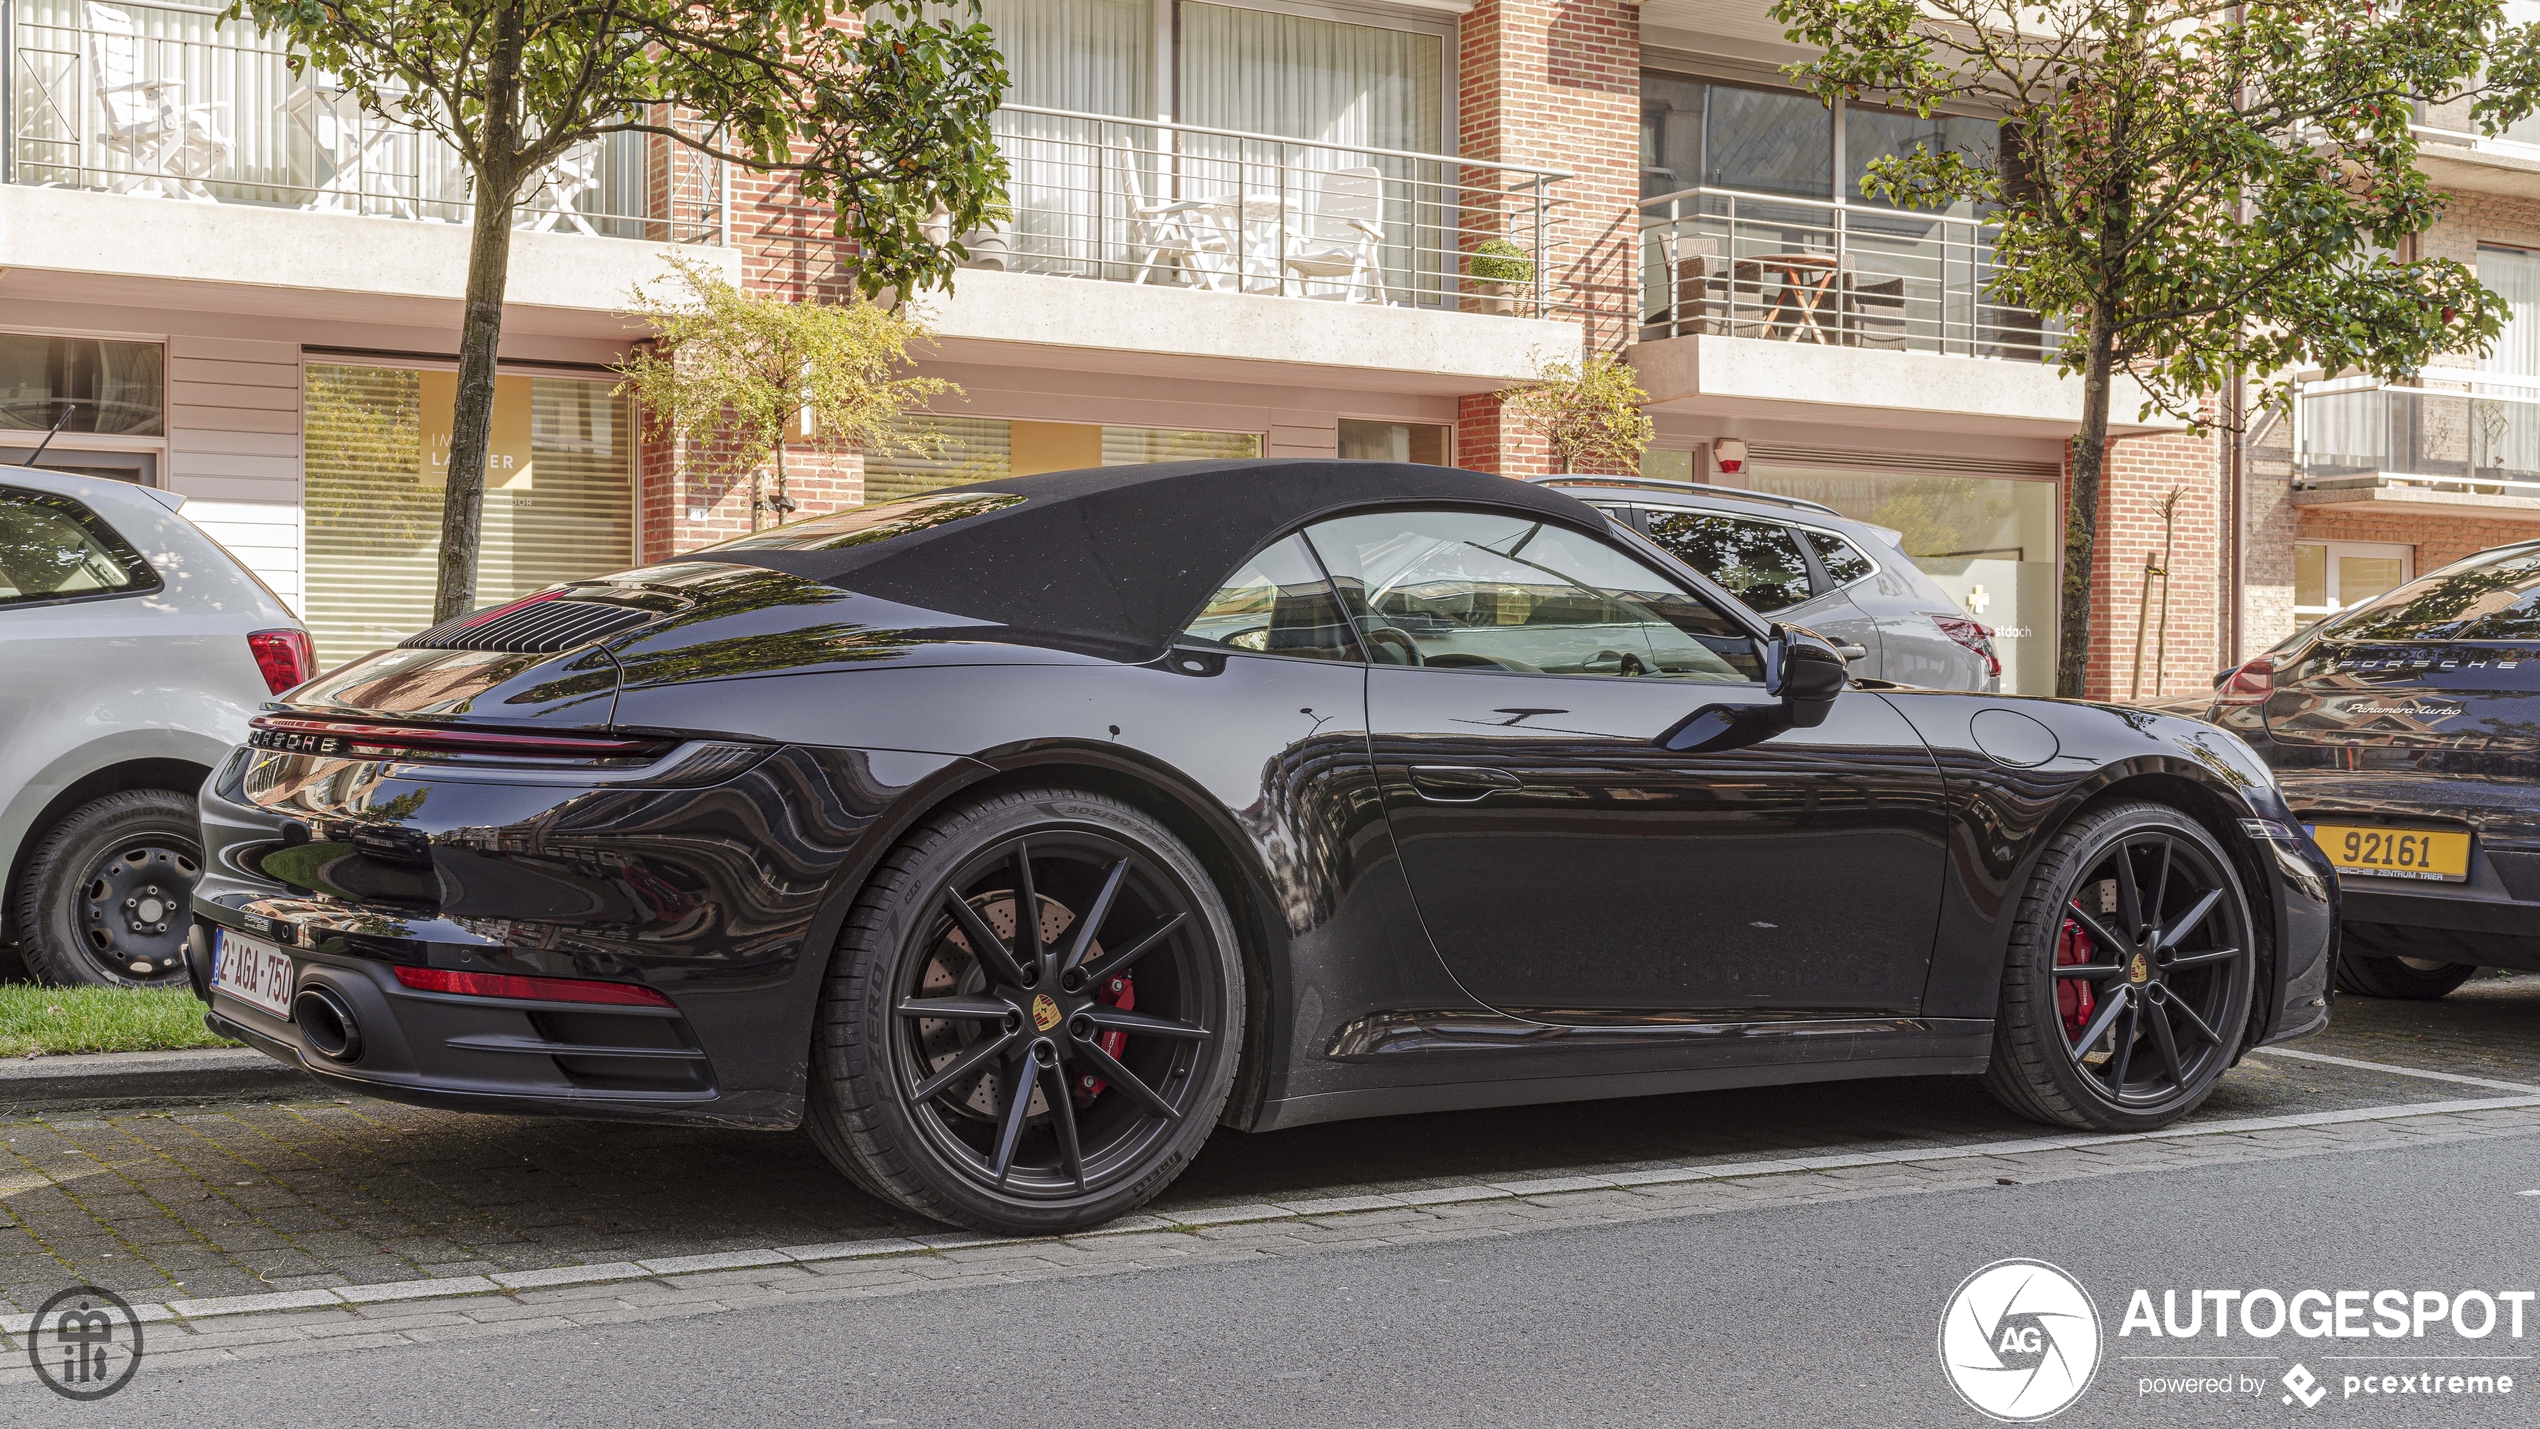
(1012, 838)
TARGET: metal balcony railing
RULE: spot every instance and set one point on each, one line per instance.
(2480, 439)
(1730, 264)
(1181, 205)
(169, 99)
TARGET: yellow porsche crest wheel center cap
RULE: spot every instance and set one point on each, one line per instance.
(2136, 971)
(1045, 1012)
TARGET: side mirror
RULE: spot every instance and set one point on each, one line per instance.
(1805, 672)
(1801, 671)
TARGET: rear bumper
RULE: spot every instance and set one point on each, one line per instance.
(2498, 905)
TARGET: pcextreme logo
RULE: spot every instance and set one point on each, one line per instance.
(2019, 1340)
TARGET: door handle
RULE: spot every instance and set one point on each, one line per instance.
(1852, 652)
(1460, 783)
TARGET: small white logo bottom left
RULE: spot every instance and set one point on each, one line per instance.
(2020, 1340)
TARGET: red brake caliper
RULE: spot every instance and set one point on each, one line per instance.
(1121, 993)
(2073, 997)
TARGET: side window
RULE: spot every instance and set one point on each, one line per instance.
(53, 548)
(1756, 561)
(1476, 591)
(1843, 561)
(1278, 603)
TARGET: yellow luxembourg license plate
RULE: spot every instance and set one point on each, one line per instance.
(2395, 853)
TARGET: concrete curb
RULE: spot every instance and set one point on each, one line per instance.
(118, 1079)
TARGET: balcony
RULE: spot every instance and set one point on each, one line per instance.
(2470, 447)
(170, 101)
(1760, 305)
(1171, 244)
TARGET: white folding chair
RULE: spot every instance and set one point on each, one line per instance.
(561, 185)
(1342, 236)
(169, 147)
(1167, 236)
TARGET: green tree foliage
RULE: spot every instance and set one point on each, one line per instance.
(2198, 190)
(1589, 411)
(734, 372)
(878, 108)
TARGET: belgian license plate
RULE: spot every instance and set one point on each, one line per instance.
(253, 972)
(2395, 853)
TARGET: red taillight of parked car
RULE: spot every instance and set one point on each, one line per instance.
(285, 658)
(1975, 637)
(360, 739)
(2250, 684)
(530, 989)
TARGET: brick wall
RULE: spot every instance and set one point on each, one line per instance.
(1557, 83)
(2179, 657)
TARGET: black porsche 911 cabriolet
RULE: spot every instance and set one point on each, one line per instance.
(1012, 837)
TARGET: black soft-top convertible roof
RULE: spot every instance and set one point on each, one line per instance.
(1110, 558)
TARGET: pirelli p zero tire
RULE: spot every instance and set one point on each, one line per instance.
(1033, 1016)
(105, 896)
(2383, 961)
(2132, 965)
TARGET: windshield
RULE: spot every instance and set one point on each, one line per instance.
(864, 525)
(2491, 598)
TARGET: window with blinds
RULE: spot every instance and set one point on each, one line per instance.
(374, 525)
(935, 452)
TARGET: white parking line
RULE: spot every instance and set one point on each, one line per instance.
(1546, 1185)
(2396, 1070)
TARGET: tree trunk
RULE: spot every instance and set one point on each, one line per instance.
(489, 252)
(2081, 510)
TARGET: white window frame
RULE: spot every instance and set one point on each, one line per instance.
(2336, 550)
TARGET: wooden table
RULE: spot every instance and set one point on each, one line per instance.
(1807, 281)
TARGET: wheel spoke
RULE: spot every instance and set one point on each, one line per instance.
(2129, 897)
(1102, 1064)
(1063, 1117)
(969, 1060)
(2187, 921)
(2123, 1058)
(2165, 1042)
(2160, 886)
(1028, 952)
(1113, 1019)
(1091, 923)
(2212, 1038)
(2090, 924)
(2089, 970)
(1119, 958)
(956, 1009)
(2109, 1010)
(985, 945)
(2210, 955)
(1018, 1104)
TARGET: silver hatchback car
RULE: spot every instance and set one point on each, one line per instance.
(1808, 565)
(133, 651)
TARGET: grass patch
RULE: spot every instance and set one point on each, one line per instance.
(61, 1020)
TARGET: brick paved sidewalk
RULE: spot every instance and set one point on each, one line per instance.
(311, 1195)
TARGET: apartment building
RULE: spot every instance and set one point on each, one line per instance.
(1313, 228)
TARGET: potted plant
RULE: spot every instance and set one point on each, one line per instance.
(1500, 272)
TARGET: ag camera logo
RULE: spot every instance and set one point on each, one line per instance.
(2019, 1340)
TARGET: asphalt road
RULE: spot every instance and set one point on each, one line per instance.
(1807, 1314)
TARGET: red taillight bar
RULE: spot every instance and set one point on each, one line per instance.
(331, 736)
(2251, 684)
(530, 989)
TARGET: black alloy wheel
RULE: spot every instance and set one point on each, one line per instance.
(1033, 1018)
(2131, 974)
(106, 896)
(2384, 961)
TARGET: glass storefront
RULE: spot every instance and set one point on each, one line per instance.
(955, 451)
(560, 507)
(1991, 542)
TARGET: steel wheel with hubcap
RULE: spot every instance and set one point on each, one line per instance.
(1033, 1017)
(105, 898)
(2128, 988)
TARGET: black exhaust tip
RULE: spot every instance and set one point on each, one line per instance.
(327, 1023)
